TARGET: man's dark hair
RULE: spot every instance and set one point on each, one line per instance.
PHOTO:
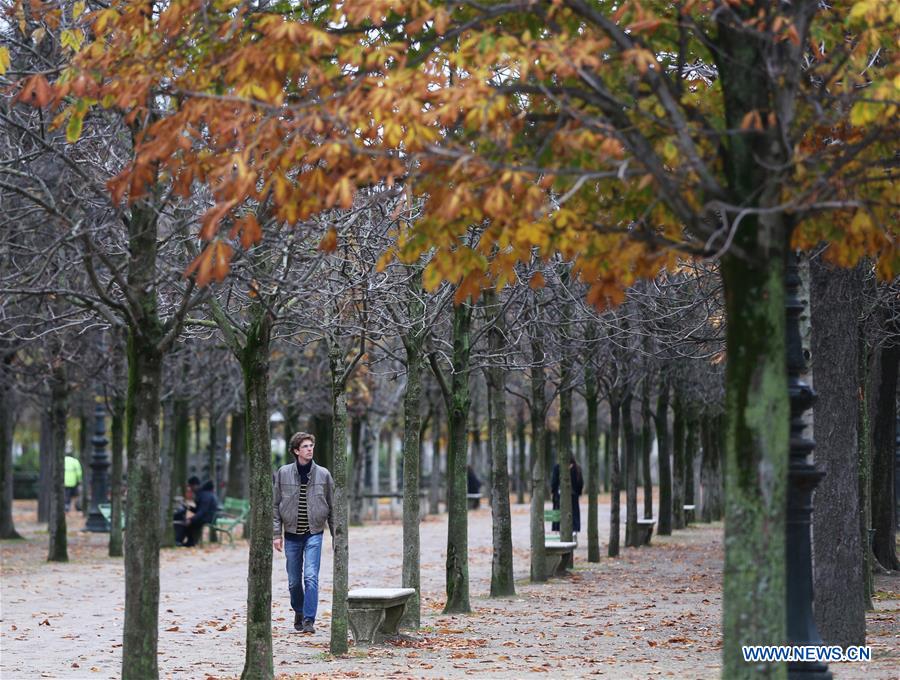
(299, 438)
(194, 481)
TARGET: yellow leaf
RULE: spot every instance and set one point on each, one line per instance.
(77, 9)
(4, 60)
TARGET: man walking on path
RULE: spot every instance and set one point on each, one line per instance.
(301, 506)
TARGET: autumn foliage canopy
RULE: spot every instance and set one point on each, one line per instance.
(601, 130)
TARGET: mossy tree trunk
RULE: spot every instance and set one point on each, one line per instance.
(59, 408)
(884, 433)
(237, 459)
(630, 445)
(538, 570)
(458, 402)
(646, 448)
(615, 477)
(502, 579)
(710, 471)
(339, 617)
(254, 360)
(412, 431)
(756, 463)
(592, 401)
(664, 449)
(521, 457)
(864, 461)
(564, 447)
(117, 444)
(7, 425)
(679, 427)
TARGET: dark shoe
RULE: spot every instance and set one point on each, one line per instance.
(298, 622)
(308, 626)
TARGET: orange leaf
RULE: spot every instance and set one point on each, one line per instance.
(36, 92)
(537, 281)
(328, 244)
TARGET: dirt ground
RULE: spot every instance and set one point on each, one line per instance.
(653, 612)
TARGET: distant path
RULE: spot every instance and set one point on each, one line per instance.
(653, 612)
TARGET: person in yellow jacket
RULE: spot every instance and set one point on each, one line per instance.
(72, 479)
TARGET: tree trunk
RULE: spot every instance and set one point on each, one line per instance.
(458, 521)
(646, 448)
(631, 532)
(59, 407)
(838, 579)
(412, 423)
(884, 432)
(678, 464)
(690, 455)
(254, 360)
(357, 473)
(538, 569)
(339, 617)
(117, 443)
(45, 461)
(607, 465)
(591, 400)
(502, 579)
(521, 461)
(756, 462)
(237, 459)
(710, 472)
(434, 490)
(615, 479)
(864, 458)
(564, 451)
(7, 426)
(84, 455)
(169, 485)
(142, 539)
(664, 446)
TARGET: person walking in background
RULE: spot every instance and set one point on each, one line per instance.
(577, 488)
(301, 505)
(72, 480)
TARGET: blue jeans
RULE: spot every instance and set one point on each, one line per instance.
(303, 559)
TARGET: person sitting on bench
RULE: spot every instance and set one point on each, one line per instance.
(189, 529)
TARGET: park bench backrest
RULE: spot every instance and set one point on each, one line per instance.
(236, 506)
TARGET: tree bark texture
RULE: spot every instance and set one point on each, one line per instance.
(7, 426)
(679, 426)
(838, 579)
(45, 462)
(691, 444)
(591, 400)
(756, 463)
(615, 477)
(710, 471)
(357, 473)
(646, 448)
(864, 461)
(254, 360)
(237, 459)
(339, 618)
(502, 579)
(630, 457)
(117, 444)
(664, 446)
(412, 424)
(142, 537)
(538, 471)
(168, 484)
(59, 409)
(458, 521)
(564, 449)
(521, 466)
(884, 432)
(434, 482)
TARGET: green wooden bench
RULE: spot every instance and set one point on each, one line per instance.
(551, 516)
(234, 511)
(106, 510)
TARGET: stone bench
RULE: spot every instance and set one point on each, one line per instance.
(474, 500)
(559, 556)
(689, 513)
(374, 613)
(645, 530)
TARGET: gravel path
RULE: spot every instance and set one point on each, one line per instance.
(654, 612)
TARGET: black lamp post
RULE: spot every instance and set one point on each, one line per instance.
(100, 471)
(802, 480)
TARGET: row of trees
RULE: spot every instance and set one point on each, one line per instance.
(473, 143)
